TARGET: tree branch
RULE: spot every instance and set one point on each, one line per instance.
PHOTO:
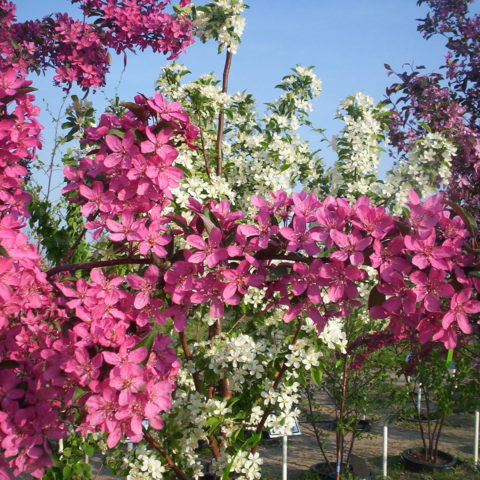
(179, 473)
(103, 263)
(221, 116)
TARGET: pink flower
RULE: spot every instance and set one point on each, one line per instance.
(401, 297)
(388, 258)
(167, 110)
(263, 231)
(127, 379)
(122, 150)
(426, 253)
(351, 246)
(341, 280)
(156, 143)
(240, 279)
(83, 367)
(299, 238)
(309, 279)
(460, 307)
(126, 229)
(430, 288)
(146, 285)
(208, 251)
(153, 238)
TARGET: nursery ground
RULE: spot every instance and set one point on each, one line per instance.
(457, 439)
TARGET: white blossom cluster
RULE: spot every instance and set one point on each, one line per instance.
(245, 464)
(237, 358)
(303, 354)
(221, 20)
(144, 464)
(203, 189)
(333, 335)
(259, 155)
(255, 297)
(188, 418)
(206, 89)
(358, 147)
(426, 168)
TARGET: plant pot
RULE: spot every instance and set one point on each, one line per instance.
(323, 472)
(423, 417)
(413, 460)
(358, 469)
(361, 426)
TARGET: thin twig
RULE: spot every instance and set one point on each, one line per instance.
(55, 148)
(315, 429)
(103, 263)
(339, 435)
(178, 472)
(440, 426)
(420, 424)
(204, 153)
(221, 116)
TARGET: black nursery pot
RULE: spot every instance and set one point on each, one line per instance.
(413, 461)
(358, 468)
(360, 426)
(322, 470)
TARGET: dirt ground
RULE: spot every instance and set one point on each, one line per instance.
(457, 438)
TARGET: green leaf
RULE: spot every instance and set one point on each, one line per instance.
(146, 341)
(115, 131)
(67, 472)
(89, 450)
(317, 374)
(78, 393)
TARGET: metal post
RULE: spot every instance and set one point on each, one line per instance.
(60, 446)
(419, 398)
(284, 460)
(385, 450)
(475, 448)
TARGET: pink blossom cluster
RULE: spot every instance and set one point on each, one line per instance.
(431, 104)
(126, 185)
(123, 373)
(30, 386)
(19, 138)
(78, 50)
(432, 292)
(320, 253)
(67, 345)
(449, 103)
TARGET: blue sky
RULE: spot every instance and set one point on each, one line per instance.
(348, 42)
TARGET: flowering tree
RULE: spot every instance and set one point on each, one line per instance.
(444, 104)
(238, 292)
